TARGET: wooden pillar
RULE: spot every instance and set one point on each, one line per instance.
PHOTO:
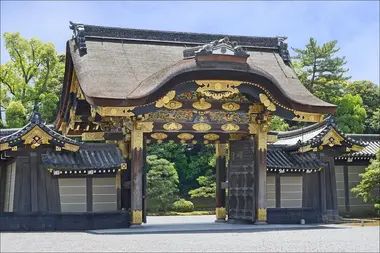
(330, 192)
(137, 166)
(278, 190)
(220, 178)
(123, 177)
(33, 181)
(346, 189)
(261, 138)
(89, 195)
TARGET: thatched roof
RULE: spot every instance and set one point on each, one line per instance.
(131, 64)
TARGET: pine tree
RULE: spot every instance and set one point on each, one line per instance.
(322, 73)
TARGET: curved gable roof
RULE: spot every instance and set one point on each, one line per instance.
(131, 64)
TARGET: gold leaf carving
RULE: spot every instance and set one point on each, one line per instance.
(356, 148)
(332, 138)
(261, 214)
(253, 128)
(201, 127)
(221, 213)
(159, 136)
(165, 99)
(172, 126)
(71, 147)
(201, 104)
(136, 217)
(211, 137)
(93, 136)
(36, 137)
(4, 146)
(231, 106)
(218, 89)
(267, 103)
(185, 136)
(307, 117)
(230, 127)
(236, 137)
(256, 108)
(173, 105)
(113, 111)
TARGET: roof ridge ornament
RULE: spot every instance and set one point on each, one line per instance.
(217, 47)
(36, 117)
(283, 49)
(79, 35)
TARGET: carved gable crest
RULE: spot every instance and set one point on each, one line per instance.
(217, 47)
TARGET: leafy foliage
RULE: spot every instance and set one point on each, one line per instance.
(15, 114)
(351, 114)
(183, 205)
(33, 76)
(189, 162)
(278, 124)
(207, 187)
(369, 186)
(370, 93)
(374, 121)
(320, 70)
(162, 181)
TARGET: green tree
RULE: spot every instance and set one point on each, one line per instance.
(33, 75)
(15, 114)
(322, 73)
(370, 93)
(374, 121)
(162, 179)
(278, 124)
(369, 186)
(206, 189)
(351, 114)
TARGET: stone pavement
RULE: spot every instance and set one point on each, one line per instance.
(198, 224)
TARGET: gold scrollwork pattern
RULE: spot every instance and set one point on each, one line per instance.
(136, 217)
(231, 106)
(202, 104)
(261, 214)
(201, 127)
(218, 89)
(172, 126)
(267, 103)
(221, 213)
(173, 105)
(165, 99)
(230, 127)
(211, 137)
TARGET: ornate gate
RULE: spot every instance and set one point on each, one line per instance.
(241, 189)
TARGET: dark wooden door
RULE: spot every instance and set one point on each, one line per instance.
(241, 191)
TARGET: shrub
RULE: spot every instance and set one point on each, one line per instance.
(183, 205)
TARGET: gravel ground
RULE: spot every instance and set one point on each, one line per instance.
(332, 239)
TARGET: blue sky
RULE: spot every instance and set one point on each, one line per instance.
(354, 24)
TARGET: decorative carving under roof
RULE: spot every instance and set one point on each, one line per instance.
(79, 36)
(219, 47)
